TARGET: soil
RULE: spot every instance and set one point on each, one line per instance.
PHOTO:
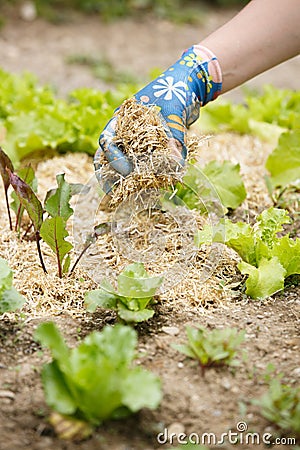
(213, 402)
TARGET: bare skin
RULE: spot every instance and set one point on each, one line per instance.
(262, 35)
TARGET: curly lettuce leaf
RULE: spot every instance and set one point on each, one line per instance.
(266, 115)
(136, 289)
(269, 224)
(288, 253)
(264, 280)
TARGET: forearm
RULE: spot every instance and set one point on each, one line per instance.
(265, 33)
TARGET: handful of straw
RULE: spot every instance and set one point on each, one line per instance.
(141, 135)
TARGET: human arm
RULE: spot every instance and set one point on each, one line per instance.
(262, 35)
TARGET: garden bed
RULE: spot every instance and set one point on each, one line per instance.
(191, 403)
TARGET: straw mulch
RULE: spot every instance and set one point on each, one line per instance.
(162, 238)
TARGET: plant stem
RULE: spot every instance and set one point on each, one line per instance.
(18, 218)
(59, 267)
(38, 238)
(79, 258)
(8, 210)
(27, 230)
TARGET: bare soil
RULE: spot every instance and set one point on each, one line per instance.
(192, 403)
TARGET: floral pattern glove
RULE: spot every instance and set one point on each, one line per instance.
(179, 92)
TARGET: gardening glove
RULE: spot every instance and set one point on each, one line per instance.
(194, 80)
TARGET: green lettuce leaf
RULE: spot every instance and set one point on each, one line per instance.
(216, 181)
(129, 315)
(264, 280)
(10, 299)
(226, 179)
(269, 224)
(135, 291)
(135, 282)
(284, 162)
(288, 253)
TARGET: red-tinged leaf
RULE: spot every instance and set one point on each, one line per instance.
(28, 199)
(5, 162)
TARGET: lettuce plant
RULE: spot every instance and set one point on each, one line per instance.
(34, 119)
(136, 289)
(267, 258)
(10, 299)
(96, 380)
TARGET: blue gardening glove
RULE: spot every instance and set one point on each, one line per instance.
(194, 80)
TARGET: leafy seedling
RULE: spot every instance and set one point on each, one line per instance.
(53, 229)
(280, 405)
(10, 299)
(136, 289)
(96, 380)
(5, 163)
(267, 259)
(212, 348)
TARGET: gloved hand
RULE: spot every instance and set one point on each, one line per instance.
(194, 80)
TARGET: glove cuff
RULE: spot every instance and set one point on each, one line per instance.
(209, 73)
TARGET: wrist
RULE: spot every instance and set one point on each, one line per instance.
(207, 75)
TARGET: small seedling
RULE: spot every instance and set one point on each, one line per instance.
(281, 406)
(136, 289)
(212, 348)
(10, 299)
(96, 380)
